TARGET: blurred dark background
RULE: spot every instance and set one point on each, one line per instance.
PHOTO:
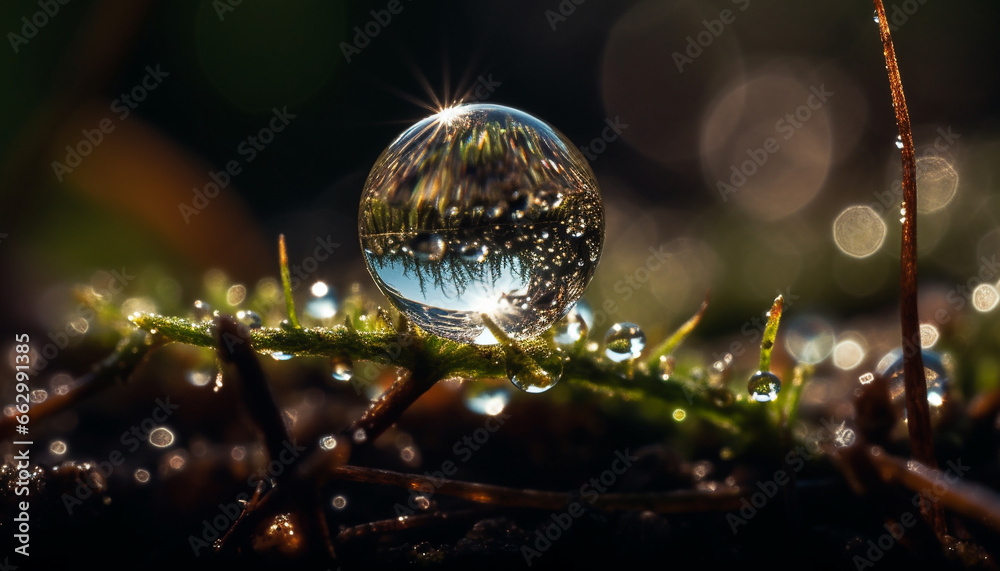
(693, 86)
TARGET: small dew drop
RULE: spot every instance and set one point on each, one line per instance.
(341, 369)
(679, 414)
(899, 142)
(665, 367)
(279, 356)
(141, 475)
(39, 396)
(866, 378)
(624, 341)
(57, 447)
(764, 386)
(890, 367)
(202, 310)
(249, 318)
(537, 376)
(328, 442)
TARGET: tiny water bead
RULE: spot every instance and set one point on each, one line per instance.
(935, 372)
(341, 369)
(624, 341)
(764, 386)
(481, 209)
(570, 329)
(249, 318)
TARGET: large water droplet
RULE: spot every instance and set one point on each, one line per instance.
(453, 216)
(764, 386)
(624, 341)
(539, 375)
(938, 380)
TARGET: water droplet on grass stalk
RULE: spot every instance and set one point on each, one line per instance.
(938, 380)
(537, 376)
(764, 386)
(624, 341)
(469, 213)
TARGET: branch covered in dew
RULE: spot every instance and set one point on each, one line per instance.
(583, 368)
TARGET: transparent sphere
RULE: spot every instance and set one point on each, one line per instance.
(481, 209)
(624, 341)
(936, 374)
(764, 386)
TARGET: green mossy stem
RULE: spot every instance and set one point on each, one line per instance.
(584, 370)
(286, 282)
(770, 333)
